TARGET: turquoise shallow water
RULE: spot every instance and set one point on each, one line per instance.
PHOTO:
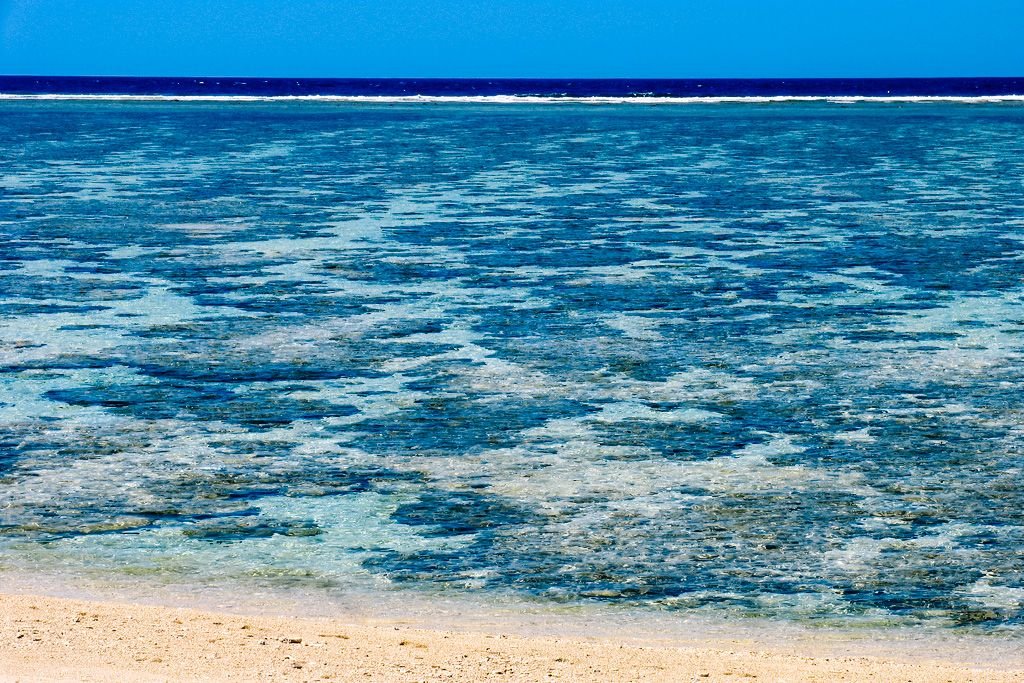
(758, 360)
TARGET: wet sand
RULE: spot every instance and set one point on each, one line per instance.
(56, 639)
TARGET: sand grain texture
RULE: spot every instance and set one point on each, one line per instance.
(48, 639)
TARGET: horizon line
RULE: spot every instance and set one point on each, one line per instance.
(528, 78)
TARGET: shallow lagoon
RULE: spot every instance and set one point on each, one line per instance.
(758, 360)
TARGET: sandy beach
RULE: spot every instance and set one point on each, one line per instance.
(52, 639)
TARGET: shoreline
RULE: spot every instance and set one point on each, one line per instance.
(69, 639)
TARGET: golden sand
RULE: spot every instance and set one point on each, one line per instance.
(51, 639)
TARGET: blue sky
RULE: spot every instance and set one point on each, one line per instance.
(499, 38)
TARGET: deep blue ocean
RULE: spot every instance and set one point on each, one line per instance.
(535, 87)
(733, 359)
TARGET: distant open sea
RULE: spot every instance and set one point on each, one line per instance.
(638, 89)
(731, 360)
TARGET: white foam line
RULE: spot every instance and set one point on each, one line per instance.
(525, 99)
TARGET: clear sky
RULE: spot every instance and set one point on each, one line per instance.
(505, 38)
